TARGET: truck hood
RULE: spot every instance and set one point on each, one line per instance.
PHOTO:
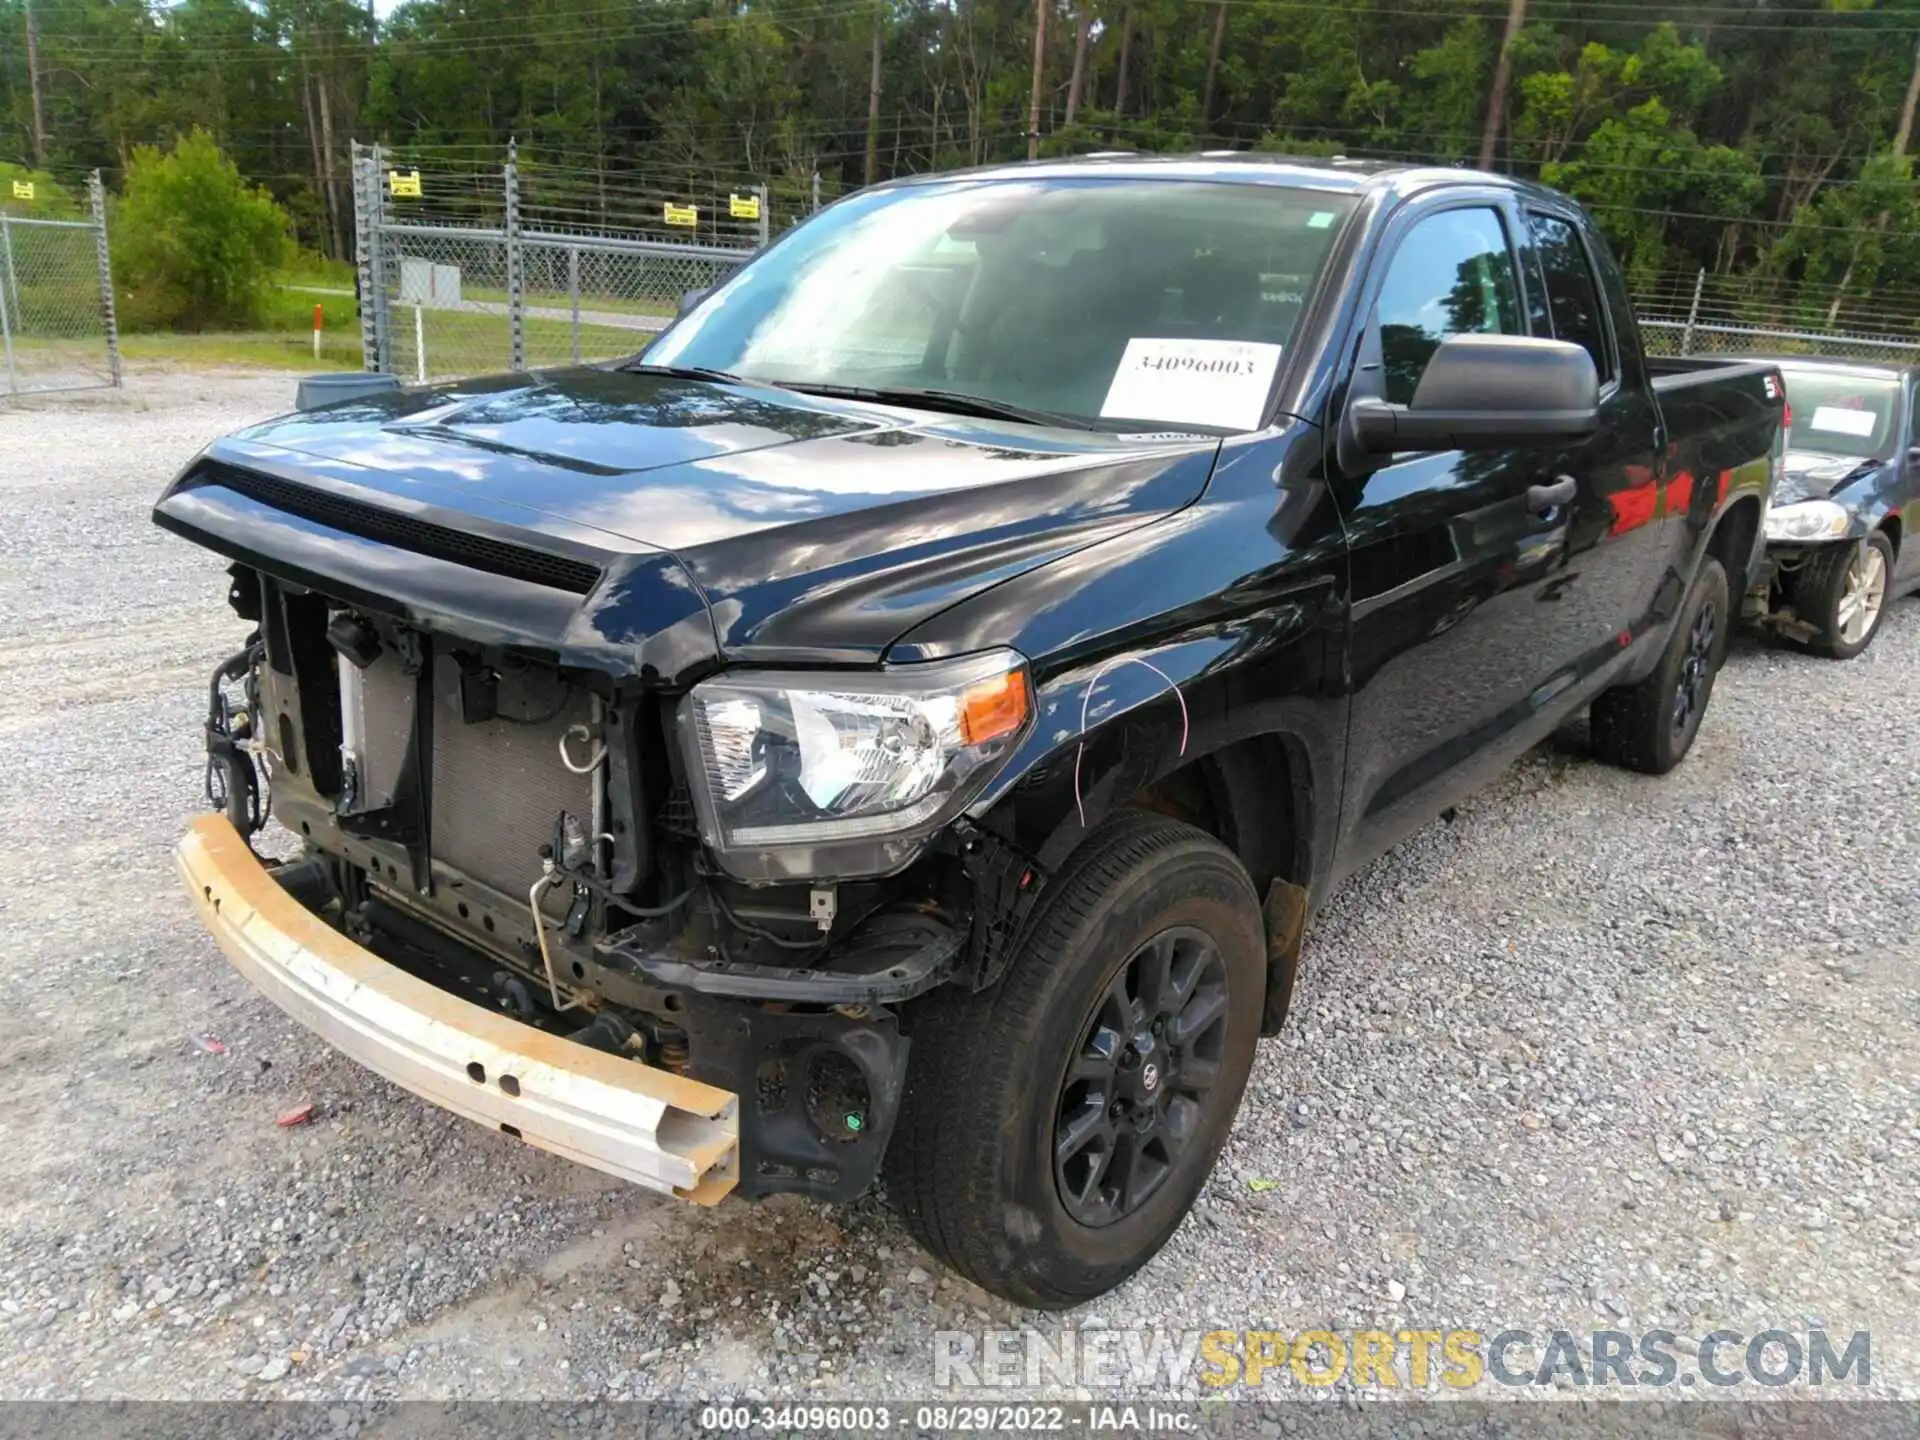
(794, 528)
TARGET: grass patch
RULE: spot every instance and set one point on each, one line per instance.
(457, 342)
(246, 349)
(312, 269)
(463, 343)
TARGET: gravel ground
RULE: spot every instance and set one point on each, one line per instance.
(1602, 1052)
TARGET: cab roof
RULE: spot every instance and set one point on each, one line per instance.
(1336, 174)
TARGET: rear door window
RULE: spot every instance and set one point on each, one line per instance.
(1573, 299)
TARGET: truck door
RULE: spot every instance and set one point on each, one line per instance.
(1612, 557)
(1456, 630)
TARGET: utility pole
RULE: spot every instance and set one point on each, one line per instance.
(1082, 30)
(1039, 59)
(33, 83)
(1502, 74)
(1905, 131)
(1213, 65)
(873, 97)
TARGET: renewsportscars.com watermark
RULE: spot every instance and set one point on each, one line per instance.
(1438, 1360)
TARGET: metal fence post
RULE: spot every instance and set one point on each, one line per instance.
(766, 215)
(9, 280)
(382, 217)
(573, 295)
(97, 201)
(365, 226)
(516, 277)
(6, 324)
(376, 317)
(1693, 313)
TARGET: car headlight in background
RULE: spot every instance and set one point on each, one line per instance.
(1808, 520)
(798, 774)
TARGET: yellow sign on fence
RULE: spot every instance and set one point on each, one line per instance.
(405, 185)
(688, 215)
(744, 207)
(23, 189)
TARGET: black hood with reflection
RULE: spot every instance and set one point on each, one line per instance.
(737, 522)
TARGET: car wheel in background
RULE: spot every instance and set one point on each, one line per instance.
(1842, 591)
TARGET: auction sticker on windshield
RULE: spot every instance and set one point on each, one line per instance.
(1221, 383)
(1843, 421)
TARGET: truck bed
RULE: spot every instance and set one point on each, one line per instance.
(1674, 373)
(1720, 414)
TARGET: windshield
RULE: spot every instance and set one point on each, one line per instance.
(1105, 300)
(1837, 413)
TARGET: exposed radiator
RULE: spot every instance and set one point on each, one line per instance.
(386, 708)
(497, 786)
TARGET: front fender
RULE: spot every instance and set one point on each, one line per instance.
(1110, 729)
(1155, 649)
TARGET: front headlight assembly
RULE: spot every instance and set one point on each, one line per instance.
(1808, 520)
(801, 774)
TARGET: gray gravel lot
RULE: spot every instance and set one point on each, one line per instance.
(1602, 1052)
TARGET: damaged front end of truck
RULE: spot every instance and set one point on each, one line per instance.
(550, 840)
(529, 836)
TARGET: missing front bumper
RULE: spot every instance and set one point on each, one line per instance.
(648, 1126)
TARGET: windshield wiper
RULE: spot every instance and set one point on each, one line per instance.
(682, 372)
(950, 401)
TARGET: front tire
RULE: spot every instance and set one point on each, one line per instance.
(1057, 1127)
(1842, 591)
(1650, 726)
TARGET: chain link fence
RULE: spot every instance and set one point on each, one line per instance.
(1705, 314)
(471, 268)
(469, 273)
(57, 325)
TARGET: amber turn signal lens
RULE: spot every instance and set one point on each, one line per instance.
(993, 708)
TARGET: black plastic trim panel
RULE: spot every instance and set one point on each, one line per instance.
(405, 532)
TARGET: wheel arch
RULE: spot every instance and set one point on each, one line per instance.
(1734, 541)
(1269, 795)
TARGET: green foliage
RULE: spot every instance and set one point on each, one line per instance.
(1860, 235)
(1727, 136)
(195, 246)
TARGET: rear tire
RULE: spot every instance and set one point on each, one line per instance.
(1650, 726)
(1057, 1127)
(1842, 592)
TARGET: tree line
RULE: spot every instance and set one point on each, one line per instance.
(1739, 136)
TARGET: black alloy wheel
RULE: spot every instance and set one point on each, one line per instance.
(1134, 1091)
(1696, 668)
(1057, 1125)
(1650, 724)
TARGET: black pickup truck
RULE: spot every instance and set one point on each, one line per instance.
(901, 725)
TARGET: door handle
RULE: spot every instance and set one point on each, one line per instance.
(1541, 498)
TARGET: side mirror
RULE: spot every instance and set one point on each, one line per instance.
(1487, 392)
(689, 300)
